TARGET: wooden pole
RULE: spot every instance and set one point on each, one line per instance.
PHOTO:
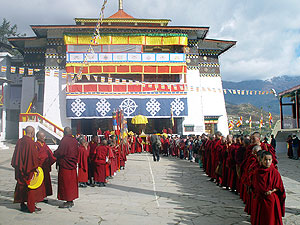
(281, 112)
(297, 108)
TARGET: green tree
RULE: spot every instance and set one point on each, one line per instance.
(8, 30)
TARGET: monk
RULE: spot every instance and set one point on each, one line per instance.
(139, 144)
(84, 152)
(132, 144)
(92, 145)
(67, 158)
(46, 160)
(25, 160)
(123, 148)
(269, 192)
(101, 158)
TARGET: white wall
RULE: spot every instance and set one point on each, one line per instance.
(195, 111)
(213, 101)
(55, 100)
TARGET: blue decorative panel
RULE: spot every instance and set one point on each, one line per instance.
(102, 107)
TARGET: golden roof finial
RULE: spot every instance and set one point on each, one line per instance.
(120, 4)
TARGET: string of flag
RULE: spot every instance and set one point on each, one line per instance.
(239, 123)
(19, 70)
(95, 37)
(30, 72)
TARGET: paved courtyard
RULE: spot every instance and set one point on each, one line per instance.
(146, 192)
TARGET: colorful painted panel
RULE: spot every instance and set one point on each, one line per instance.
(127, 57)
(127, 68)
(102, 107)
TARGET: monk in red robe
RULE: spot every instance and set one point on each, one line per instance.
(139, 144)
(84, 151)
(67, 158)
(106, 134)
(46, 160)
(132, 144)
(215, 155)
(269, 193)
(92, 145)
(25, 161)
(123, 148)
(101, 157)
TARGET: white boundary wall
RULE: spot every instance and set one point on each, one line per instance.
(55, 99)
(205, 103)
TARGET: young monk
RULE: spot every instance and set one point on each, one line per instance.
(269, 193)
(84, 151)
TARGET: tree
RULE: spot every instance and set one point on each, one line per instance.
(8, 30)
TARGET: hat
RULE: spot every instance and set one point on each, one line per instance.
(36, 180)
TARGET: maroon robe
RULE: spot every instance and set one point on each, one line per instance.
(92, 145)
(215, 147)
(132, 144)
(46, 160)
(83, 164)
(67, 158)
(123, 158)
(268, 209)
(25, 161)
(139, 144)
(224, 155)
(100, 161)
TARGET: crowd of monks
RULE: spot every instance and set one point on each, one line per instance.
(248, 167)
(244, 165)
(79, 163)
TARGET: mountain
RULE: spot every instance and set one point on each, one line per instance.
(246, 110)
(267, 102)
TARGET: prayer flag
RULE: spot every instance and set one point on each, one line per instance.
(56, 73)
(21, 70)
(261, 121)
(239, 122)
(88, 76)
(3, 69)
(270, 119)
(95, 77)
(109, 80)
(230, 125)
(64, 75)
(250, 122)
(79, 76)
(30, 71)
(47, 73)
(225, 92)
(117, 80)
(102, 79)
(12, 69)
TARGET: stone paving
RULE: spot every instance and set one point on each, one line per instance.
(171, 191)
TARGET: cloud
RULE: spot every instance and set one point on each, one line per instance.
(268, 32)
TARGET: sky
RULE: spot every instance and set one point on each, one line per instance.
(267, 31)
